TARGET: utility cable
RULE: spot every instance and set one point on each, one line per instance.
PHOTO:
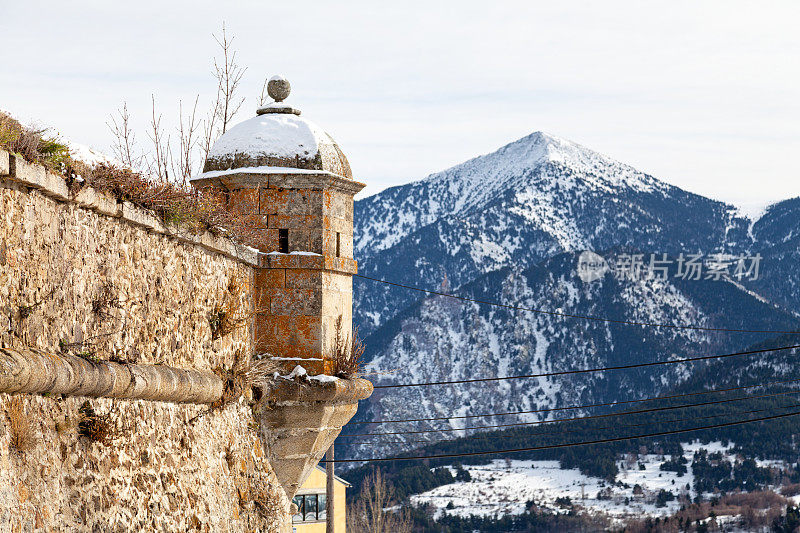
(581, 430)
(589, 370)
(577, 407)
(568, 444)
(588, 417)
(569, 315)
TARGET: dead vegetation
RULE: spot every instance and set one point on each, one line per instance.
(96, 427)
(19, 425)
(372, 513)
(226, 318)
(347, 353)
(31, 144)
(755, 510)
(105, 301)
(27, 310)
(155, 179)
(244, 375)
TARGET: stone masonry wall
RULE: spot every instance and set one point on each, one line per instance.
(100, 279)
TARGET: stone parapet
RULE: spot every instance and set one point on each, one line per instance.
(16, 170)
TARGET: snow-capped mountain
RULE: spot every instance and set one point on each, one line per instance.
(509, 227)
(528, 201)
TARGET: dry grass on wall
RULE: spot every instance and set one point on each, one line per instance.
(31, 145)
(230, 315)
(95, 427)
(182, 206)
(20, 427)
(346, 360)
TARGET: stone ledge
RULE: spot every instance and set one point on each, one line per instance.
(97, 201)
(37, 177)
(278, 180)
(333, 392)
(314, 262)
(5, 168)
(54, 186)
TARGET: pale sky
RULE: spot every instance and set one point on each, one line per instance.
(704, 95)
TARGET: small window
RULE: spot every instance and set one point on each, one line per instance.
(310, 508)
(283, 241)
(338, 244)
(322, 507)
(298, 516)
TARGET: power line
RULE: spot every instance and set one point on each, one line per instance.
(583, 430)
(588, 417)
(577, 407)
(588, 370)
(568, 444)
(569, 315)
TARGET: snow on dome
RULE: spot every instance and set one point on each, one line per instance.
(277, 140)
(277, 77)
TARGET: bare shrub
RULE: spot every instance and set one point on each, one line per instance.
(244, 375)
(20, 425)
(369, 512)
(757, 500)
(124, 147)
(229, 75)
(755, 509)
(229, 316)
(105, 301)
(159, 161)
(95, 427)
(347, 353)
(793, 489)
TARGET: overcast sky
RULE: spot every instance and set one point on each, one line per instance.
(704, 95)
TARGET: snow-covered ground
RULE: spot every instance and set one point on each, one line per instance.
(505, 487)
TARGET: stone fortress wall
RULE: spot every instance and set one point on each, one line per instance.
(109, 281)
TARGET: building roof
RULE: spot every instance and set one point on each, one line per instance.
(277, 137)
(337, 478)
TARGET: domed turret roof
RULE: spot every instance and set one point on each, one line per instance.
(277, 137)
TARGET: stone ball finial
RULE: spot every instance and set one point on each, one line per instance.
(278, 88)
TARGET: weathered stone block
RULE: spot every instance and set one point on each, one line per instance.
(316, 242)
(276, 260)
(341, 264)
(266, 240)
(284, 221)
(100, 202)
(312, 261)
(37, 177)
(296, 302)
(262, 295)
(289, 446)
(337, 224)
(291, 202)
(244, 201)
(345, 245)
(299, 240)
(337, 282)
(268, 277)
(300, 181)
(303, 278)
(5, 163)
(300, 416)
(142, 217)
